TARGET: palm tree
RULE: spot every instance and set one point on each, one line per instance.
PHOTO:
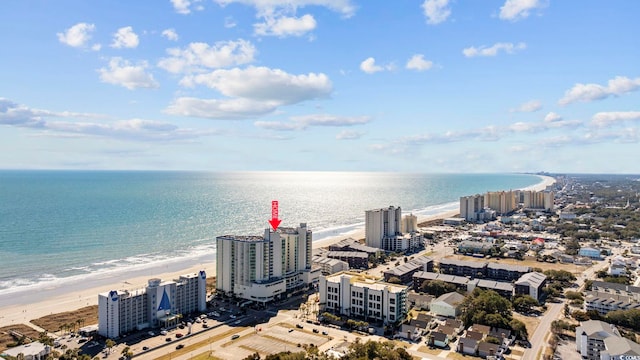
(126, 352)
(109, 344)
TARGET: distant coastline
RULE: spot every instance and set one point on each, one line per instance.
(18, 306)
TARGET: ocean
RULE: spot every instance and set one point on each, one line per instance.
(58, 226)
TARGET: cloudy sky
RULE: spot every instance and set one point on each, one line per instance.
(412, 86)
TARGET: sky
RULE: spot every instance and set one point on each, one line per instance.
(428, 86)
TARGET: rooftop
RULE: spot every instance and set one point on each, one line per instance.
(245, 238)
(508, 267)
(534, 279)
(452, 298)
(471, 264)
(354, 254)
(363, 280)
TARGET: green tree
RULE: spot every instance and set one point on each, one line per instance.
(524, 303)
(254, 356)
(436, 287)
(109, 344)
(395, 280)
(519, 328)
(485, 307)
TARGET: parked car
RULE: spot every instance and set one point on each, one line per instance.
(290, 330)
(180, 346)
(145, 348)
(235, 337)
(179, 335)
(316, 331)
(205, 326)
(167, 339)
(325, 333)
(299, 326)
(163, 332)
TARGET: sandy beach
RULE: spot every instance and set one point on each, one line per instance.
(23, 306)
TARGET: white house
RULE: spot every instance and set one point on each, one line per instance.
(447, 304)
(32, 351)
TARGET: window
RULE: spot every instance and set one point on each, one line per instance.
(392, 309)
(378, 298)
(392, 317)
(392, 301)
(353, 293)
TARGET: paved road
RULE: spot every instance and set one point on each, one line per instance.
(538, 338)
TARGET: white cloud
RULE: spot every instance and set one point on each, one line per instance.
(590, 92)
(514, 10)
(122, 72)
(96, 47)
(605, 119)
(369, 66)
(125, 38)
(220, 109)
(266, 7)
(508, 48)
(250, 92)
(184, 6)
(349, 135)
(12, 114)
(529, 106)
(306, 121)
(170, 34)
(78, 35)
(197, 57)
(552, 117)
(417, 62)
(284, 26)
(265, 84)
(436, 11)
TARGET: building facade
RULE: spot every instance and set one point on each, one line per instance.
(542, 200)
(503, 202)
(598, 340)
(471, 207)
(263, 268)
(382, 223)
(159, 304)
(531, 284)
(353, 294)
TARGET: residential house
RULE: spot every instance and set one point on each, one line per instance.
(486, 349)
(468, 346)
(419, 301)
(447, 304)
(590, 252)
(410, 332)
(439, 339)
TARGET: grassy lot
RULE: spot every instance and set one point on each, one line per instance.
(459, 356)
(528, 261)
(7, 339)
(531, 323)
(87, 315)
(428, 350)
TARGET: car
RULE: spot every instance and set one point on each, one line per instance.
(290, 330)
(145, 348)
(232, 316)
(325, 333)
(151, 333)
(316, 331)
(235, 337)
(163, 332)
(179, 335)
(180, 346)
(167, 339)
(299, 326)
(205, 326)
(236, 322)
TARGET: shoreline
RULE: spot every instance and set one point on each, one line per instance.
(21, 306)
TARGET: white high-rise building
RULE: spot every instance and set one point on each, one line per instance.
(471, 207)
(503, 202)
(159, 304)
(381, 223)
(263, 268)
(538, 200)
(409, 224)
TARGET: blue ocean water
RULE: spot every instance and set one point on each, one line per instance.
(63, 224)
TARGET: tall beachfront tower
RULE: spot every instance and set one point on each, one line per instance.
(471, 206)
(381, 223)
(263, 268)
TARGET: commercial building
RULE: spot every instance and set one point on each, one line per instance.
(531, 284)
(598, 340)
(354, 294)
(355, 259)
(31, 351)
(405, 271)
(264, 268)
(472, 269)
(506, 272)
(159, 304)
(330, 266)
(447, 304)
(380, 224)
(591, 253)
